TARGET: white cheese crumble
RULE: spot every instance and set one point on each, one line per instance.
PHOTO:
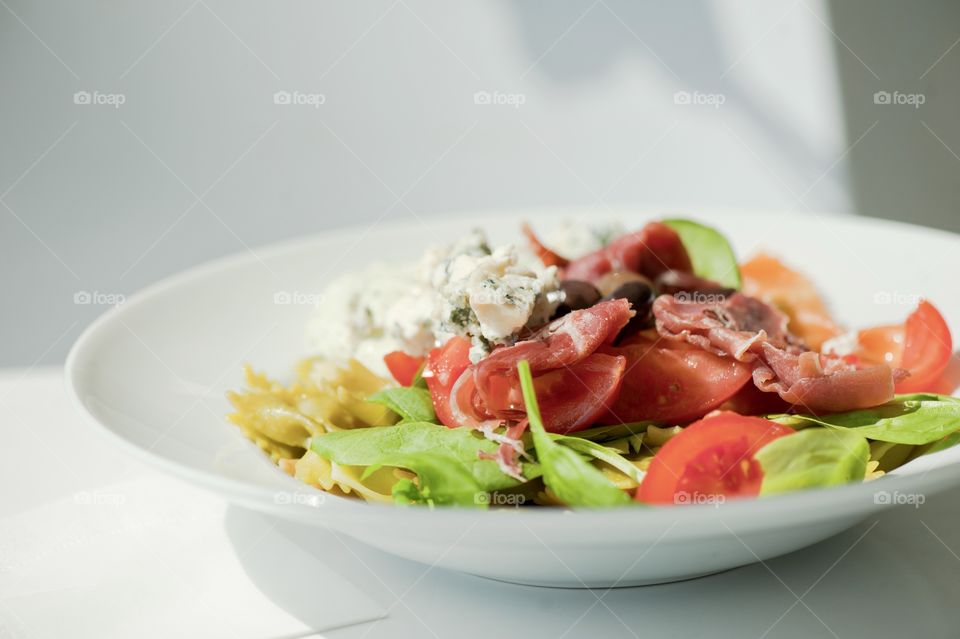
(462, 289)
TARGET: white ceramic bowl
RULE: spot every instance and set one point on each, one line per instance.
(153, 373)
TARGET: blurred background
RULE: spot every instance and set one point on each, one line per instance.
(140, 138)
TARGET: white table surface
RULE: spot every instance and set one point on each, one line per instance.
(893, 576)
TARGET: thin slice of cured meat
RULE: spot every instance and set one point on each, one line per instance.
(574, 383)
(652, 250)
(751, 331)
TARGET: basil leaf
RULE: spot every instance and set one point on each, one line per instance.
(916, 419)
(410, 403)
(603, 453)
(710, 253)
(443, 480)
(572, 479)
(811, 458)
(376, 445)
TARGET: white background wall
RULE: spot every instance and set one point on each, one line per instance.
(199, 161)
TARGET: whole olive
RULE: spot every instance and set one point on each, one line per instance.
(576, 295)
(641, 296)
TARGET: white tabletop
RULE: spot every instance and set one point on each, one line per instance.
(94, 545)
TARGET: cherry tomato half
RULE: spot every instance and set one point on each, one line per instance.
(402, 366)
(710, 458)
(445, 365)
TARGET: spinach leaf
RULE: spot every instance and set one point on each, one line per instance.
(710, 253)
(917, 419)
(597, 451)
(443, 480)
(572, 479)
(812, 457)
(412, 404)
(376, 445)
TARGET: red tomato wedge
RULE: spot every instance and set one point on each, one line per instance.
(710, 458)
(570, 398)
(671, 381)
(445, 365)
(768, 279)
(922, 345)
(402, 366)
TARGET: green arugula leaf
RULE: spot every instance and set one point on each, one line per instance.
(812, 458)
(444, 480)
(376, 445)
(572, 479)
(917, 419)
(615, 431)
(412, 404)
(604, 453)
(949, 441)
(418, 379)
(710, 253)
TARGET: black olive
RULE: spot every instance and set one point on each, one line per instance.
(576, 295)
(641, 296)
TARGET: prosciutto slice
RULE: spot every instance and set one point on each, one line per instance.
(652, 250)
(751, 331)
(574, 383)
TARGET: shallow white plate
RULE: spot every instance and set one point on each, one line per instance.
(153, 373)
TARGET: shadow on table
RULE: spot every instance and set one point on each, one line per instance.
(895, 575)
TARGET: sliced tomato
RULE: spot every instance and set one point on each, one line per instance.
(671, 381)
(445, 365)
(922, 345)
(548, 257)
(710, 458)
(767, 278)
(402, 366)
(570, 398)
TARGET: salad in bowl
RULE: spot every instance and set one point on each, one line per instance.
(597, 367)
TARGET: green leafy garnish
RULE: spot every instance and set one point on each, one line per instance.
(709, 251)
(917, 419)
(382, 445)
(569, 476)
(602, 453)
(615, 431)
(811, 458)
(443, 480)
(412, 404)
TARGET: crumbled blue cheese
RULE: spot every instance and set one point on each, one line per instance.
(462, 289)
(572, 240)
